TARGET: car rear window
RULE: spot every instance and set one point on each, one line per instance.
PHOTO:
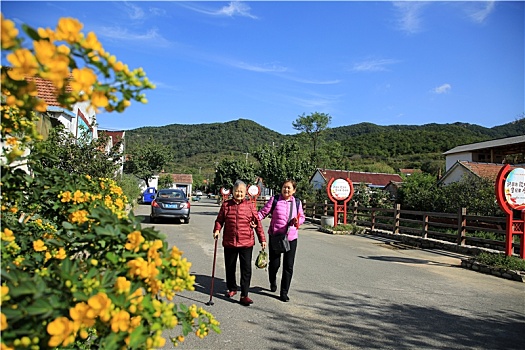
(170, 194)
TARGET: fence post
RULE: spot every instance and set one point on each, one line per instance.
(462, 222)
(354, 214)
(372, 219)
(397, 216)
(424, 232)
(325, 208)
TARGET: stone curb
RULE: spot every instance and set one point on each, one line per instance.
(495, 271)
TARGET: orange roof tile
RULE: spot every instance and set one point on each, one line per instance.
(182, 178)
(375, 179)
(46, 90)
(488, 171)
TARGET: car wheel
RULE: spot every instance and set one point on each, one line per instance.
(152, 219)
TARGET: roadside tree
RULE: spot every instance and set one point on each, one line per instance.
(146, 159)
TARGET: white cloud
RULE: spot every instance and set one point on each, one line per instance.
(133, 11)
(409, 15)
(261, 68)
(374, 65)
(479, 11)
(152, 37)
(234, 8)
(443, 89)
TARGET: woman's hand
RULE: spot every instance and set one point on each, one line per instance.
(263, 245)
(216, 235)
(253, 224)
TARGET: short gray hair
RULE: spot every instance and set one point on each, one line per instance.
(238, 183)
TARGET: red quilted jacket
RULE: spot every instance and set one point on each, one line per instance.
(235, 218)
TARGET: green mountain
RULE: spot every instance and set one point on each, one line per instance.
(200, 146)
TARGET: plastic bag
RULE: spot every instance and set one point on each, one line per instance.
(261, 262)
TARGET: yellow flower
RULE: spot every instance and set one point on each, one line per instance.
(134, 241)
(44, 51)
(100, 305)
(79, 315)
(68, 29)
(99, 99)
(7, 235)
(39, 246)
(61, 332)
(122, 285)
(61, 254)
(91, 42)
(66, 196)
(4, 291)
(83, 80)
(120, 321)
(78, 197)
(3, 322)
(9, 33)
(24, 64)
(79, 216)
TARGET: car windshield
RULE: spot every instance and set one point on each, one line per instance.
(170, 194)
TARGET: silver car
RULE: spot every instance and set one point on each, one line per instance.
(170, 203)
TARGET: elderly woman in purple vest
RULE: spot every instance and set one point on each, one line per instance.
(287, 215)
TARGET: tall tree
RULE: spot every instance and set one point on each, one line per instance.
(146, 159)
(287, 161)
(228, 171)
(313, 125)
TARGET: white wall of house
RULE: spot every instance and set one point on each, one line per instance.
(455, 175)
(317, 180)
(451, 159)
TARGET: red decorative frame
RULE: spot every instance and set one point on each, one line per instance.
(339, 208)
(253, 198)
(514, 226)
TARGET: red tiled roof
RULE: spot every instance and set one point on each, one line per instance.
(182, 178)
(376, 179)
(116, 136)
(409, 171)
(46, 90)
(488, 171)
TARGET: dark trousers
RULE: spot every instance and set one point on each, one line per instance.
(245, 259)
(275, 263)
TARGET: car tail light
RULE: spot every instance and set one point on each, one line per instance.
(187, 205)
(155, 204)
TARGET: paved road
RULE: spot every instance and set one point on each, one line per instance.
(351, 292)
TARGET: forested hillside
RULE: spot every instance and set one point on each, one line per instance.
(200, 146)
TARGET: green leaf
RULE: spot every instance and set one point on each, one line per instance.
(112, 257)
(39, 307)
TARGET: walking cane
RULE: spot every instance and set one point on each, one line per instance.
(213, 273)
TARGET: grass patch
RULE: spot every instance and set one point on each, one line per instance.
(353, 228)
(501, 261)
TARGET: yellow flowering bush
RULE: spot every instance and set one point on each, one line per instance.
(78, 271)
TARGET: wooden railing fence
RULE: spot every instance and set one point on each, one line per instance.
(459, 228)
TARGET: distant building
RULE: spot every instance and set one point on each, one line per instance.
(80, 118)
(408, 172)
(180, 181)
(464, 168)
(372, 180)
(115, 138)
(493, 151)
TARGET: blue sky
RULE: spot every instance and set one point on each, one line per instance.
(383, 62)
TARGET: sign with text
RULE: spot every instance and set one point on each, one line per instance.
(340, 190)
(515, 189)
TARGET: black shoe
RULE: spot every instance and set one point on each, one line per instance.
(284, 298)
(273, 287)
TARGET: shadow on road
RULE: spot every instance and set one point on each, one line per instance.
(404, 260)
(363, 322)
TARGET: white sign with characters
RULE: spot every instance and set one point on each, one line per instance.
(253, 190)
(515, 189)
(340, 189)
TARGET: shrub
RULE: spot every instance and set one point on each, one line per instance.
(77, 270)
(501, 261)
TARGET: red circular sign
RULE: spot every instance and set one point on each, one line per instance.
(225, 191)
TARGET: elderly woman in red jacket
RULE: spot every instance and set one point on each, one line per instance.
(236, 217)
